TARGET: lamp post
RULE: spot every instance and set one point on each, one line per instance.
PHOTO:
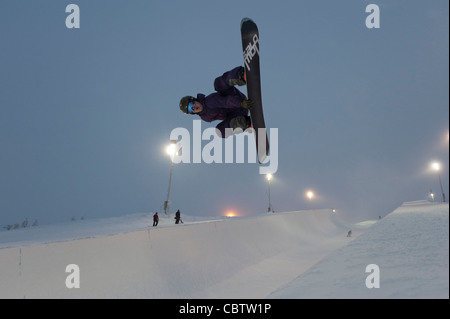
(310, 195)
(269, 178)
(437, 168)
(171, 151)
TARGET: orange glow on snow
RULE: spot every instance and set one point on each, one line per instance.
(231, 214)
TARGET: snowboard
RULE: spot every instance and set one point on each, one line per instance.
(250, 46)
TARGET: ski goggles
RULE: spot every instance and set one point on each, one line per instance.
(190, 107)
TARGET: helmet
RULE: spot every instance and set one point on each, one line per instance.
(184, 103)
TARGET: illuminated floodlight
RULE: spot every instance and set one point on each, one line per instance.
(231, 213)
(171, 149)
(436, 166)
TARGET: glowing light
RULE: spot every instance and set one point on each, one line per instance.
(436, 166)
(170, 150)
(310, 194)
(231, 213)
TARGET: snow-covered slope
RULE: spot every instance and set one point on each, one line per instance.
(303, 254)
(80, 229)
(410, 247)
(231, 258)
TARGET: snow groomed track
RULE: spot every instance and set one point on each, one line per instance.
(233, 258)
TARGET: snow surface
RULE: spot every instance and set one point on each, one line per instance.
(304, 254)
(410, 247)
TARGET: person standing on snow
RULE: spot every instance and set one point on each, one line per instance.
(155, 219)
(227, 104)
(178, 217)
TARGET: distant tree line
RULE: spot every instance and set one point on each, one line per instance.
(24, 224)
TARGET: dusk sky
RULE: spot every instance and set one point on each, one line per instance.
(86, 113)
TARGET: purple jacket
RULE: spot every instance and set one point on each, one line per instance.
(226, 102)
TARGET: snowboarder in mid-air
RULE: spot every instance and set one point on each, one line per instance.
(227, 104)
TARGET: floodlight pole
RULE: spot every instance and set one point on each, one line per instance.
(436, 167)
(171, 150)
(442, 189)
(310, 195)
(166, 203)
(270, 203)
(269, 178)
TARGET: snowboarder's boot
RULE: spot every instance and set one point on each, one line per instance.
(242, 122)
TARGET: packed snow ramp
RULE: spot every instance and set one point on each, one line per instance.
(233, 258)
(405, 255)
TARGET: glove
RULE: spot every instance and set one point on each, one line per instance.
(247, 104)
(241, 81)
